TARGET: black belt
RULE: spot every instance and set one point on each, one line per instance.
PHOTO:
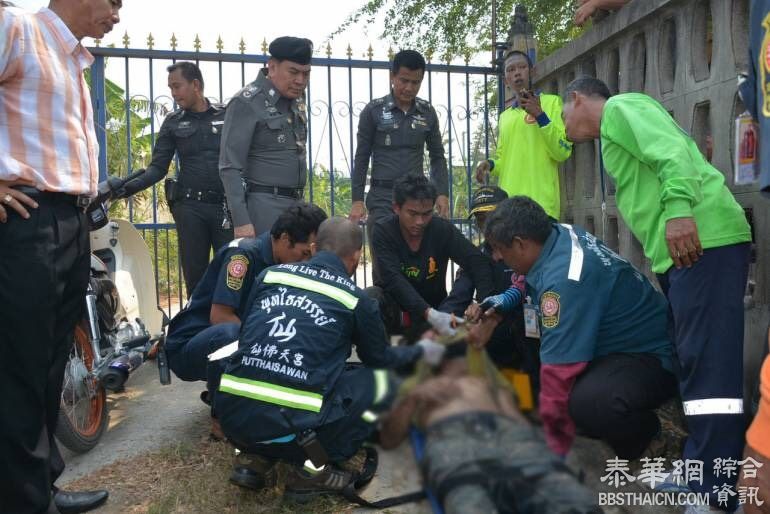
(79, 201)
(201, 196)
(378, 182)
(275, 190)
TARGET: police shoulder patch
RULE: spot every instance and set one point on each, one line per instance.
(550, 308)
(248, 91)
(236, 271)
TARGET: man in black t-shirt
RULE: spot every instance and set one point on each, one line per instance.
(411, 250)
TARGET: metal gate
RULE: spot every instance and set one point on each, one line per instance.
(130, 102)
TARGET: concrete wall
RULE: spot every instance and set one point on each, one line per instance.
(686, 54)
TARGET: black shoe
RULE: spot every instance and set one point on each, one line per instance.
(253, 472)
(363, 466)
(303, 486)
(76, 502)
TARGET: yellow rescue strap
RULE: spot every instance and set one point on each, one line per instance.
(479, 365)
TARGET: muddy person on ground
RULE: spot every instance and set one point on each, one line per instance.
(481, 455)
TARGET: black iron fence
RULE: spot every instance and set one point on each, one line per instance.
(130, 101)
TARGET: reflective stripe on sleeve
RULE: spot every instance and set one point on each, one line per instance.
(713, 406)
(271, 393)
(347, 299)
(380, 385)
(576, 259)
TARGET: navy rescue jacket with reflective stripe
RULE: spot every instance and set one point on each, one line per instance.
(224, 284)
(302, 320)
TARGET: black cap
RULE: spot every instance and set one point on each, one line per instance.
(294, 49)
(486, 198)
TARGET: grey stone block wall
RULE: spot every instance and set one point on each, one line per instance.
(686, 54)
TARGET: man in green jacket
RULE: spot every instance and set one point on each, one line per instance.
(531, 141)
(697, 237)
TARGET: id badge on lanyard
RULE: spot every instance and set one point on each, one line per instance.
(531, 320)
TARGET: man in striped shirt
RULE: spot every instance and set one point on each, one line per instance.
(48, 171)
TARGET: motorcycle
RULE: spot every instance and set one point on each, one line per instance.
(122, 323)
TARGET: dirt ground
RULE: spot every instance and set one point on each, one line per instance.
(156, 458)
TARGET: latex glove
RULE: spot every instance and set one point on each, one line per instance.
(508, 300)
(432, 352)
(442, 322)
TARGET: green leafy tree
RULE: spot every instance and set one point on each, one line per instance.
(322, 190)
(462, 27)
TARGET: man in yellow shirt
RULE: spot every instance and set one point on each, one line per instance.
(531, 140)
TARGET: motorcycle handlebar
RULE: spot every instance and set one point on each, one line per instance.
(112, 188)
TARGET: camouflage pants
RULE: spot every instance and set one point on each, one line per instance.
(484, 463)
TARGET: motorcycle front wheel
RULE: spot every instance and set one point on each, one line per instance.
(83, 408)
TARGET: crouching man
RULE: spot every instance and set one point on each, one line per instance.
(287, 393)
(212, 317)
(604, 348)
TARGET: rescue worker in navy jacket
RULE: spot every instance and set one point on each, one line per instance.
(212, 317)
(196, 197)
(606, 355)
(289, 373)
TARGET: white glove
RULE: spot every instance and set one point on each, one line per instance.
(442, 322)
(432, 352)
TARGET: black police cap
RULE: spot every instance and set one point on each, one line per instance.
(294, 49)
